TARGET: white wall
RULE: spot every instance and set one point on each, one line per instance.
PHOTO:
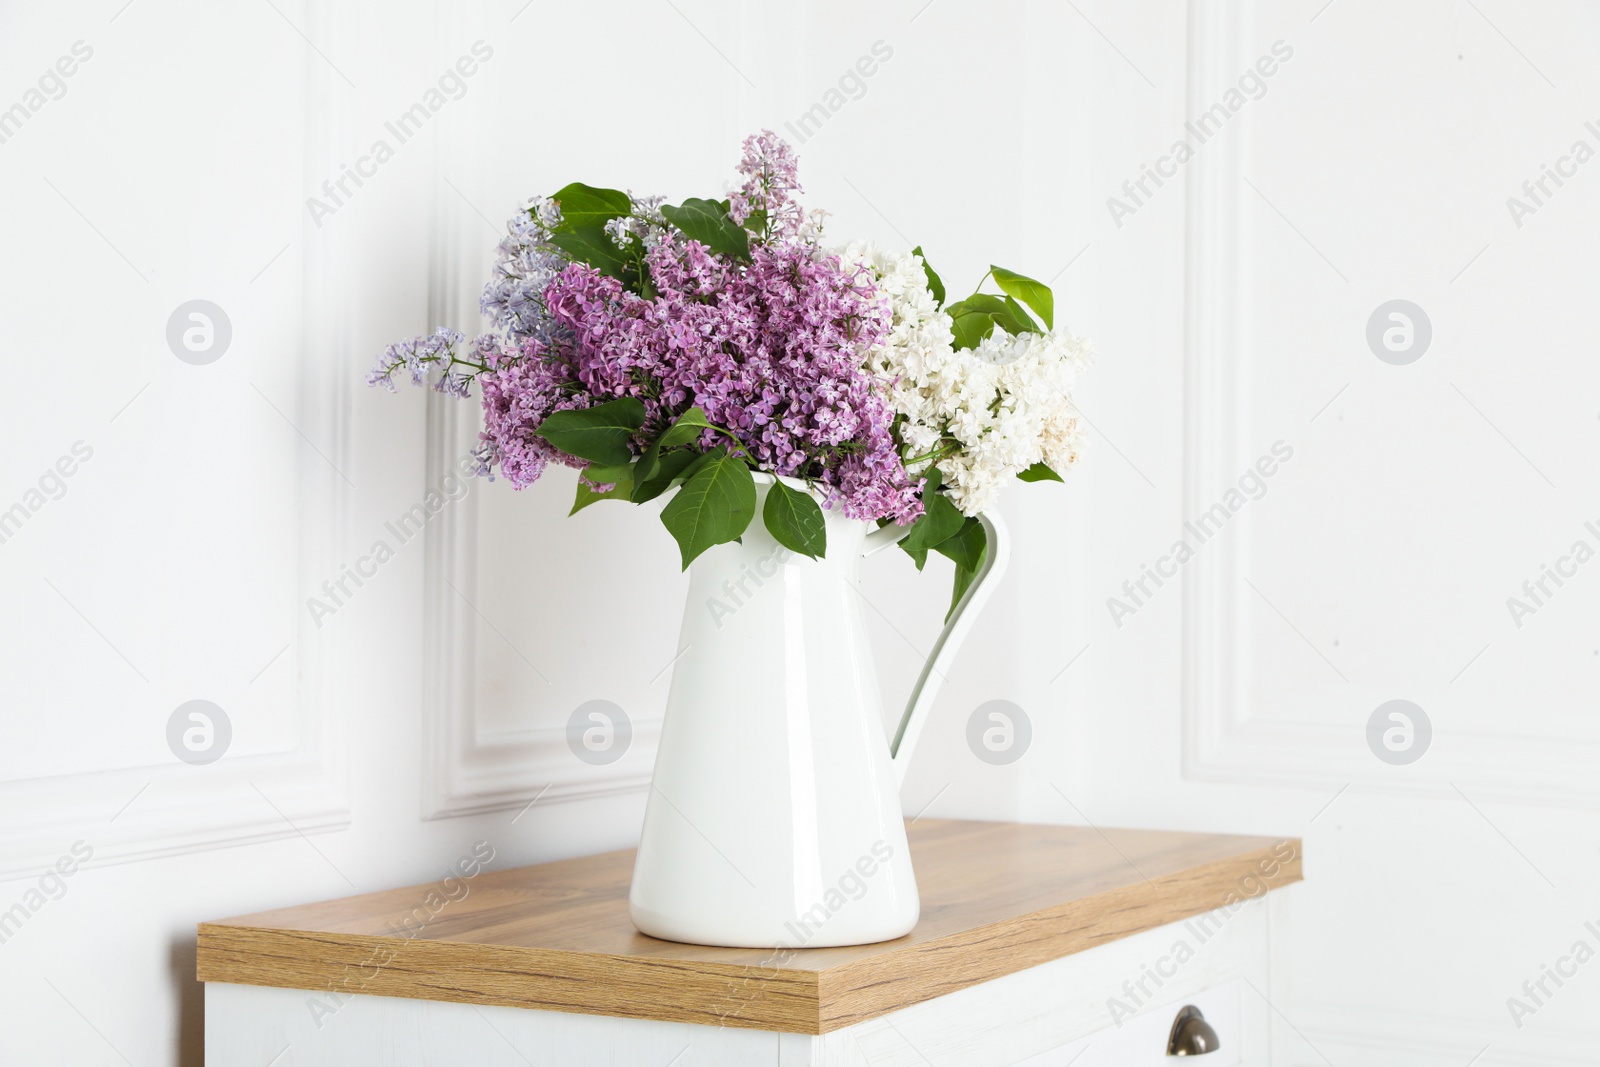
(429, 709)
(1377, 566)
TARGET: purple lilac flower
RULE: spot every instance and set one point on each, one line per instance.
(772, 351)
(522, 386)
(771, 180)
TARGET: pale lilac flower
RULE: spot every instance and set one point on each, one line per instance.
(514, 297)
(417, 356)
(454, 383)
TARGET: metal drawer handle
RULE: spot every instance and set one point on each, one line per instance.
(1191, 1034)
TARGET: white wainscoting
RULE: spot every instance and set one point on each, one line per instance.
(297, 785)
(1229, 735)
(515, 643)
(1238, 726)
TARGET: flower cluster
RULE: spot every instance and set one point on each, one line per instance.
(419, 357)
(514, 298)
(653, 346)
(520, 390)
(983, 414)
(772, 352)
(771, 178)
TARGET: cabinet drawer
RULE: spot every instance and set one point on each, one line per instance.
(1142, 1040)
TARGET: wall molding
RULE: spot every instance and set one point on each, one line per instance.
(467, 768)
(1225, 737)
(170, 808)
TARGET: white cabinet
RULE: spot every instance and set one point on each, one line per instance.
(1053, 1015)
(539, 966)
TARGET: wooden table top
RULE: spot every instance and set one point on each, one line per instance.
(996, 898)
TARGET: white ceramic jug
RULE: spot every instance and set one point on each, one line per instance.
(774, 813)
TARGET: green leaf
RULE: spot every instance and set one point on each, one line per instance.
(602, 474)
(714, 506)
(707, 221)
(1039, 472)
(592, 245)
(987, 303)
(795, 521)
(967, 549)
(1021, 322)
(658, 465)
(756, 221)
(966, 546)
(917, 550)
(686, 429)
(958, 589)
(701, 460)
(1036, 295)
(649, 462)
(585, 206)
(935, 285)
(599, 434)
(939, 521)
(1005, 312)
(658, 479)
(587, 496)
(970, 329)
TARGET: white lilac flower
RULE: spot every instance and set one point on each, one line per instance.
(983, 415)
(620, 230)
(648, 224)
(543, 211)
(648, 208)
(811, 225)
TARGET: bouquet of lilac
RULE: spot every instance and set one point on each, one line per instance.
(659, 347)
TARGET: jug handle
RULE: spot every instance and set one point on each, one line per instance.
(995, 560)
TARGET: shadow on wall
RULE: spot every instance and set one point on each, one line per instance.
(191, 1003)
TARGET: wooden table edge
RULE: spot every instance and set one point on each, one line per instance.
(783, 1000)
(864, 977)
(797, 1001)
